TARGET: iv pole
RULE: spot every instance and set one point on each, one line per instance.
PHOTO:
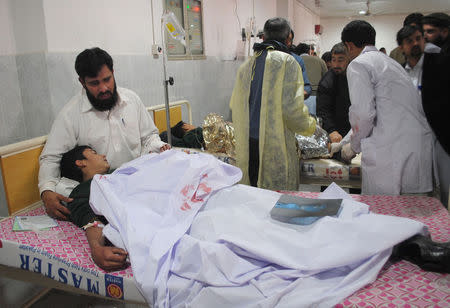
(166, 84)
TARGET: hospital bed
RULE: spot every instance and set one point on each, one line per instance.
(323, 171)
(60, 258)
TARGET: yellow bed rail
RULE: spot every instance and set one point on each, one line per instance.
(20, 168)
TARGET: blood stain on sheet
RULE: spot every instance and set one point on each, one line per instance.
(185, 206)
(186, 189)
(205, 188)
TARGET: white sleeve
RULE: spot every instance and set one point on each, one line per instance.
(362, 110)
(149, 133)
(62, 138)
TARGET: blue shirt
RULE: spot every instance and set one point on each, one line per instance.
(300, 61)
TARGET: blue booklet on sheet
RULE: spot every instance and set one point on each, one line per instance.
(304, 211)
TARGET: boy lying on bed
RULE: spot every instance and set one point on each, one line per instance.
(82, 163)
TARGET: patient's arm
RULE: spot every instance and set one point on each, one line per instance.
(107, 257)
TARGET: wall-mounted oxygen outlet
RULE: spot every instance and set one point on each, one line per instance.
(156, 50)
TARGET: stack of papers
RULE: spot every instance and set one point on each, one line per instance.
(27, 223)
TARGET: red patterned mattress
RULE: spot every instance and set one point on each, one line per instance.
(63, 254)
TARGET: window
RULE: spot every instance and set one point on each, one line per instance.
(189, 14)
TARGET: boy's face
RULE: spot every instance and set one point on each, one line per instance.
(95, 163)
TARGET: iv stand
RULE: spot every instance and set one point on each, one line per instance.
(166, 85)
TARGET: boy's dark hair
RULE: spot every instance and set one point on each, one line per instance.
(406, 32)
(277, 29)
(413, 18)
(90, 61)
(68, 167)
(301, 49)
(359, 32)
(326, 56)
(339, 49)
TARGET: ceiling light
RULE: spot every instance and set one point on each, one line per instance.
(362, 12)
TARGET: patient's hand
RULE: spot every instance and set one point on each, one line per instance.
(109, 258)
(164, 147)
(53, 206)
(187, 127)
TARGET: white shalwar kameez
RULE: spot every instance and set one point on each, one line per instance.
(196, 240)
(122, 134)
(389, 126)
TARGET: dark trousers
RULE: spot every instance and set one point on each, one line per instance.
(253, 161)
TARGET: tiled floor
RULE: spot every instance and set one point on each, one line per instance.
(15, 293)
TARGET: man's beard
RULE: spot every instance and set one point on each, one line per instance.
(439, 41)
(338, 71)
(103, 104)
(416, 52)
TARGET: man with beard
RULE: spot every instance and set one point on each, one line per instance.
(333, 99)
(436, 27)
(412, 44)
(111, 120)
(387, 119)
(414, 19)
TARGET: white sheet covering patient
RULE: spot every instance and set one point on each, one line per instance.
(196, 240)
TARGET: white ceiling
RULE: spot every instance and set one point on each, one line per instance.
(350, 8)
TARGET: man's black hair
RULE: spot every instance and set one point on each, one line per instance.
(406, 32)
(90, 61)
(440, 20)
(277, 29)
(413, 18)
(301, 49)
(68, 167)
(326, 56)
(339, 49)
(359, 32)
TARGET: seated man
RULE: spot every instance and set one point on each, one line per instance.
(333, 100)
(110, 118)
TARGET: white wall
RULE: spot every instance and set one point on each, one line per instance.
(125, 27)
(386, 27)
(7, 43)
(304, 21)
(223, 21)
(120, 27)
(28, 26)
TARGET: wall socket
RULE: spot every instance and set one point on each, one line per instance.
(156, 50)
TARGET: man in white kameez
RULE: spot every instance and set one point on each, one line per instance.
(387, 118)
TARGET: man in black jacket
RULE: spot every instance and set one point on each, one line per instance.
(333, 98)
(435, 93)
